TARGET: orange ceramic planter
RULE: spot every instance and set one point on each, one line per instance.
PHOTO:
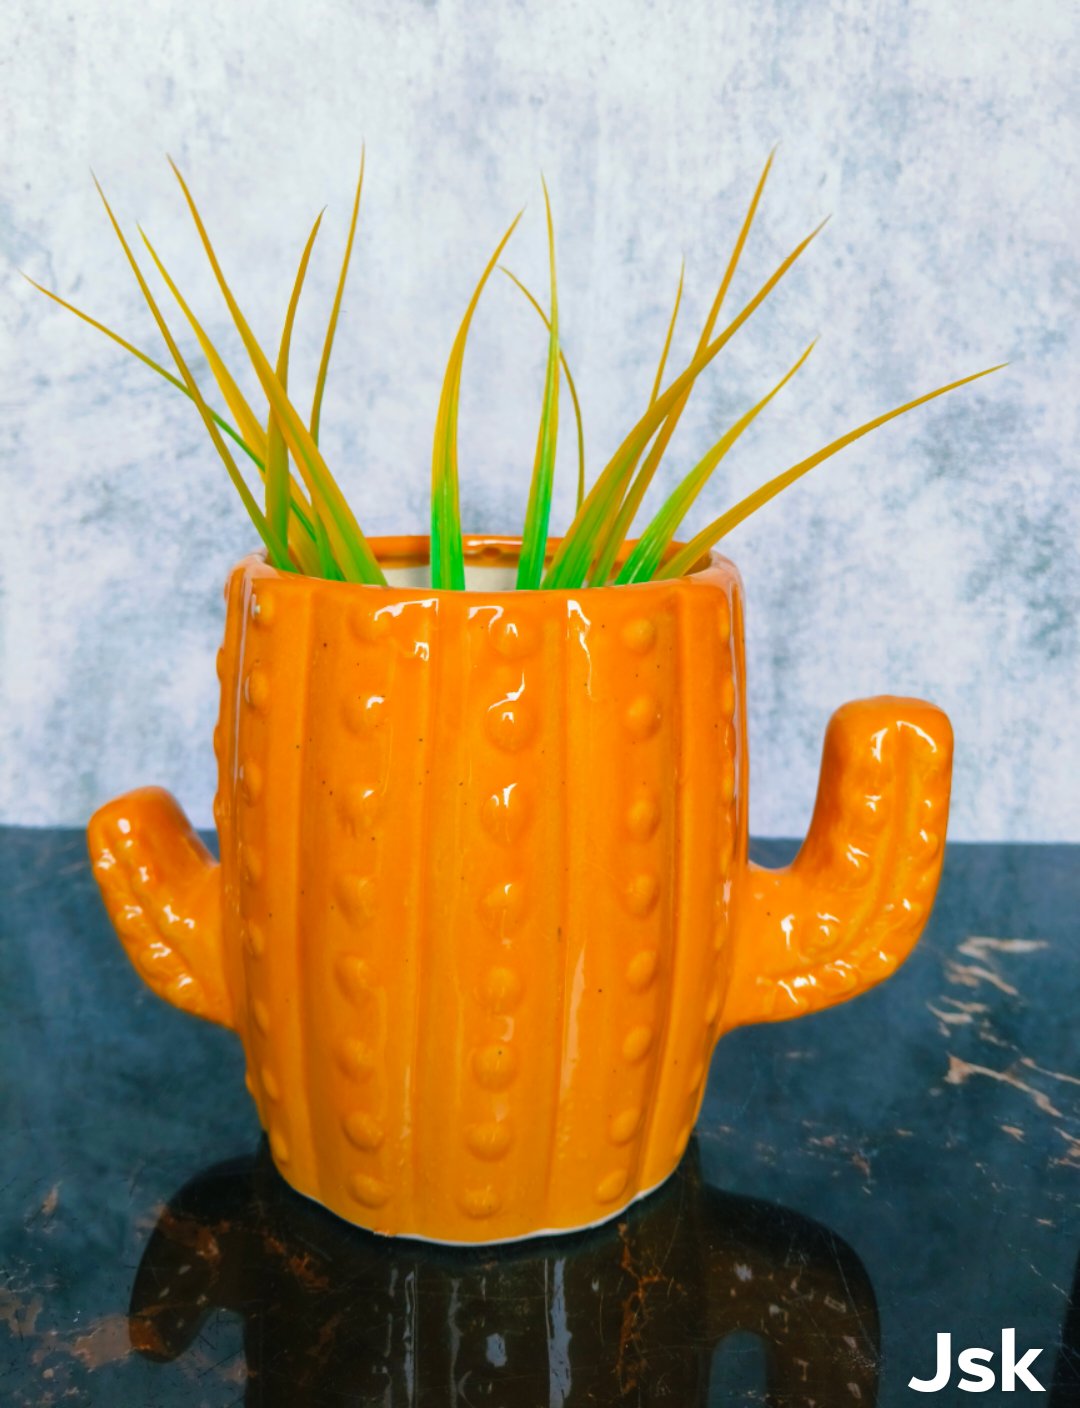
(484, 904)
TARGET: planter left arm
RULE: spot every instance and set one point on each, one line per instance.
(162, 889)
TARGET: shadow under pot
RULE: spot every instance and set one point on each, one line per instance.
(632, 1312)
(484, 904)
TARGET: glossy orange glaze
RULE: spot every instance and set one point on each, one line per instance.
(484, 904)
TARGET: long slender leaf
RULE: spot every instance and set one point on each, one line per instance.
(277, 451)
(279, 553)
(625, 513)
(147, 361)
(651, 546)
(688, 556)
(569, 386)
(579, 547)
(300, 541)
(328, 343)
(447, 557)
(351, 550)
(538, 511)
(235, 399)
(670, 334)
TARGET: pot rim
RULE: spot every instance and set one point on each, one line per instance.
(401, 550)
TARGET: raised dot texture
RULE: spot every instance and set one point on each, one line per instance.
(513, 640)
(368, 625)
(251, 860)
(219, 662)
(637, 1042)
(726, 785)
(263, 607)
(643, 816)
(712, 1006)
(494, 1066)
(641, 894)
(639, 635)
(254, 939)
(257, 690)
(503, 907)
(251, 780)
(502, 989)
(353, 974)
(480, 1202)
(643, 716)
(270, 1084)
(279, 1146)
(505, 814)
(250, 1083)
(363, 712)
(611, 1185)
(261, 1013)
(355, 1058)
(371, 1192)
(360, 805)
(510, 724)
(641, 970)
(723, 622)
(363, 1130)
(727, 696)
(356, 896)
(489, 1139)
(624, 1125)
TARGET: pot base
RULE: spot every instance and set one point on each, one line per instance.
(485, 1241)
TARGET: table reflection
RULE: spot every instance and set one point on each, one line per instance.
(632, 1312)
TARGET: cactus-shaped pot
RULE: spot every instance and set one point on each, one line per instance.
(484, 904)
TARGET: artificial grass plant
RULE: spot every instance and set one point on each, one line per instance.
(304, 519)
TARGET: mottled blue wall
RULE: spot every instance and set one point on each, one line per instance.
(937, 558)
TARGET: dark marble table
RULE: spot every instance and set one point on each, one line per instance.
(860, 1180)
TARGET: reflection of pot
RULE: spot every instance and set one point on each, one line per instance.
(484, 903)
(630, 1312)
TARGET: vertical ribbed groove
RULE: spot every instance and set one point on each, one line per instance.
(298, 831)
(560, 698)
(422, 911)
(674, 884)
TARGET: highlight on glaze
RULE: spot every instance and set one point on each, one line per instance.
(484, 904)
(307, 525)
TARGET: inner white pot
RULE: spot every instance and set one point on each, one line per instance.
(478, 578)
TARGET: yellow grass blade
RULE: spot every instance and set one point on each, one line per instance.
(235, 399)
(447, 559)
(538, 512)
(328, 343)
(624, 514)
(579, 547)
(147, 361)
(351, 550)
(670, 334)
(653, 543)
(692, 552)
(277, 451)
(569, 386)
(279, 554)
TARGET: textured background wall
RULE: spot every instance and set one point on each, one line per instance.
(937, 558)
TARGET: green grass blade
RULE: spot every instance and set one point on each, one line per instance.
(579, 424)
(447, 558)
(237, 403)
(351, 550)
(147, 361)
(653, 543)
(670, 334)
(692, 552)
(278, 550)
(328, 343)
(579, 547)
(625, 513)
(277, 451)
(538, 513)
